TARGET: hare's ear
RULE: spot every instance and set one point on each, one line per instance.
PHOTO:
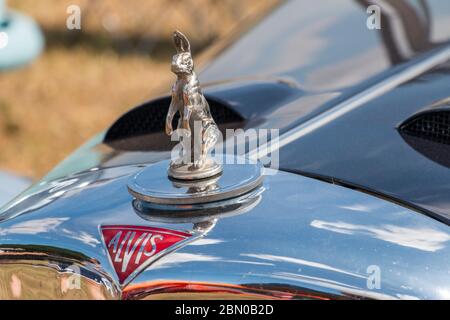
(181, 42)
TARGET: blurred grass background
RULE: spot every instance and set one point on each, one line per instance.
(87, 78)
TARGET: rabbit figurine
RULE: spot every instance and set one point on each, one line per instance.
(200, 133)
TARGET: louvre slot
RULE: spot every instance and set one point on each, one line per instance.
(150, 118)
(433, 125)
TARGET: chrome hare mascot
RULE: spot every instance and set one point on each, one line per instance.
(187, 99)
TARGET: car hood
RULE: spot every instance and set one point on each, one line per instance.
(337, 101)
(304, 236)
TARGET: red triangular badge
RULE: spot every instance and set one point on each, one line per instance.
(132, 248)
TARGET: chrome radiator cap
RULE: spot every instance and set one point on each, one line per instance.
(153, 186)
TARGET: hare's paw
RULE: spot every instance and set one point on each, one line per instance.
(169, 129)
(198, 164)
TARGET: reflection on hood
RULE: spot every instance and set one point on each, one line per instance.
(425, 239)
(33, 226)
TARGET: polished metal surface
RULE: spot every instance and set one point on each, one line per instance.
(295, 237)
(363, 149)
(302, 238)
(199, 212)
(152, 185)
(196, 128)
(132, 249)
(313, 70)
(309, 45)
(37, 276)
(438, 58)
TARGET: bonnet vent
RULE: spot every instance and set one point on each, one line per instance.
(428, 132)
(142, 128)
(432, 125)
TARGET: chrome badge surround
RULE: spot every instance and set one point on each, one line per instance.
(138, 245)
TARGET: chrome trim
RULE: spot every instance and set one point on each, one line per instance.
(353, 103)
(200, 212)
(152, 184)
(195, 235)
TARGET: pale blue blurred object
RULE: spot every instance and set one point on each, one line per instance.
(25, 39)
(10, 186)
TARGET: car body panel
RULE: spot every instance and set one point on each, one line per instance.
(294, 238)
(304, 238)
(364, 148)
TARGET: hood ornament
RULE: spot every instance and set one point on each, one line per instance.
(195, 180)
(199, 132)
